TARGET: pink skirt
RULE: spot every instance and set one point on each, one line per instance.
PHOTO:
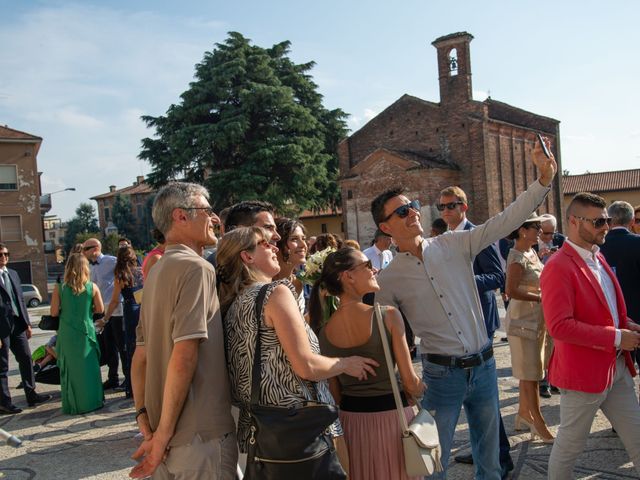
(374, 445)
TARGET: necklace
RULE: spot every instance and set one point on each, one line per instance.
(348, 303)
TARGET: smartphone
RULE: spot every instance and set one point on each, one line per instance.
(544, 146)
(554, 248)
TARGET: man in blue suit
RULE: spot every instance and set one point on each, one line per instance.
(15, 331)
(621, 249)
(489, 277)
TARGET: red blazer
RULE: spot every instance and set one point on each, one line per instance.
(580, 322)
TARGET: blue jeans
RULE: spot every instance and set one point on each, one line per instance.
(448, 389)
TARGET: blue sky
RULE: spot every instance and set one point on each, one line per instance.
(81, 74)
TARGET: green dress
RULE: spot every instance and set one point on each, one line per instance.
(78, 353)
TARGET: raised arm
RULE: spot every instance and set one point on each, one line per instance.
(282, 313)
(514, 215)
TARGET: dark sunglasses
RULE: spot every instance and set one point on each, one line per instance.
(534, 226)
(208, 210)
(367, 263)
(403, 210)
(86, 249)
(448, 206)
(4, 254)
(596, 222)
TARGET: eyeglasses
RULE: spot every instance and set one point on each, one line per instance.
(403, 210)
(4, 254)
(596, 222)
(534, 226)
(208, 210)
(89, 247)
(448, 206)
(264, 243)
(547, 233)
(366, 263)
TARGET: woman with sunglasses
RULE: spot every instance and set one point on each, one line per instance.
(367, 407)
(292, 367)
(529, 342)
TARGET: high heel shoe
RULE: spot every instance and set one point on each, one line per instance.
(535, 433)
(520, 423)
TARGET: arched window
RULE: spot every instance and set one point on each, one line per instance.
(453, 62)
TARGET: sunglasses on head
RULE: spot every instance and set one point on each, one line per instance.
(403, 210)
(448, 206)
(596, 222)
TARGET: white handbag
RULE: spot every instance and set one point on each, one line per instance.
(420, 440)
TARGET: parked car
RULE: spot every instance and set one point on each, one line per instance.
(31, 295)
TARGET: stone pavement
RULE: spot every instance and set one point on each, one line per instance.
(98, 445)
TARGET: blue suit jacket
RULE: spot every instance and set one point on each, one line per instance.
(489, 276)
(7, 323)
(621, 249)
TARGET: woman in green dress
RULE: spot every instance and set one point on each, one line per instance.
(78, 352)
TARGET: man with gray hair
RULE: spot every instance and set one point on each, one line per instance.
(622, 251)
(180, 382)
(550, 240)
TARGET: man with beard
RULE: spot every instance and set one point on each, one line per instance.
(586, 315)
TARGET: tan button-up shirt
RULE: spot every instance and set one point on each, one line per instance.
(439, 296)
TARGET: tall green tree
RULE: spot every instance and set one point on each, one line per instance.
(251, 126)
(84, 222)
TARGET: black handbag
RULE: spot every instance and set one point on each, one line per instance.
(47, 322)
(289, 442)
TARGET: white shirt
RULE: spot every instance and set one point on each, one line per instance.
(379, 258)
(591, 259)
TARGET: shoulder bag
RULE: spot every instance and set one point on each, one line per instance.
(420, 441)
(47, 322)
(289, 442)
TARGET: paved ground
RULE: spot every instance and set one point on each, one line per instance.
(98, 445)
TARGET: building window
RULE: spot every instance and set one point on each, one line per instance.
(323, 228)
(453, 62)
(8, 177)
(10, 228)
(349, 194)
(106, 214)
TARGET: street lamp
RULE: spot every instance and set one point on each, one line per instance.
(45, 199)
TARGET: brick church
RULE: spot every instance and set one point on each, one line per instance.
(484, 147)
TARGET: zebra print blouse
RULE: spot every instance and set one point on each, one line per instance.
(279, 385)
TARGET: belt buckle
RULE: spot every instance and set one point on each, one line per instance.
(468, 361)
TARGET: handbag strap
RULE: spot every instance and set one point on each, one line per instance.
(404, 427)
(257, 359)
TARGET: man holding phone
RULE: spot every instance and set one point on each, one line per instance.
(550, 239)
(432, 280)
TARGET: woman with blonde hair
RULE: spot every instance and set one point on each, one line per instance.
(292, 366)
(75, 302)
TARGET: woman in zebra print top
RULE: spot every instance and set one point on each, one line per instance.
(292, 366)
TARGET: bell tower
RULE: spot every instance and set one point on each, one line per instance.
(454, 67)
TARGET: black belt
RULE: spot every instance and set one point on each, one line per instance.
(468, 361)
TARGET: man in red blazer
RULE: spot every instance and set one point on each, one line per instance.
(586, 315)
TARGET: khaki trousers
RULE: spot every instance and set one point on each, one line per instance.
(212, 460)
(577, 411)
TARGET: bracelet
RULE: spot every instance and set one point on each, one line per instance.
(140, 412)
